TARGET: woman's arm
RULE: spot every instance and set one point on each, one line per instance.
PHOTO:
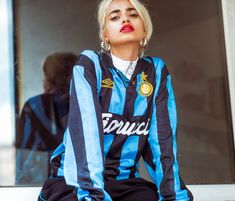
(83, 162)
(161, 149)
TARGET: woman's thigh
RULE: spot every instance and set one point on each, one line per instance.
(55, 189)
(135, 189)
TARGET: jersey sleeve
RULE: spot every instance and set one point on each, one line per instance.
(23, 127)
(83, 159)
(160, 154)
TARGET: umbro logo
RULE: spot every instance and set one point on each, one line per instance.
(107, 83)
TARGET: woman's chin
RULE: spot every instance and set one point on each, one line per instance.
(125, 42)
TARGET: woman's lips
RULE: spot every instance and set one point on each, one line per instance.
(127, 28)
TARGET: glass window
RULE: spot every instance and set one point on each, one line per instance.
(188, 35)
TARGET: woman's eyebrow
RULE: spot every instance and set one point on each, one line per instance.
(114, 11)
(118, 10)
(130, 9)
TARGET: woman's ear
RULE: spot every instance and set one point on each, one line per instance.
(105, 36)
(145, 33)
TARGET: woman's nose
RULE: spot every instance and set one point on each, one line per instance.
(125, 20)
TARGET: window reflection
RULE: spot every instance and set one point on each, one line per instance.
(43, 121)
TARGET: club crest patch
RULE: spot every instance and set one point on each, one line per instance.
(146, 88)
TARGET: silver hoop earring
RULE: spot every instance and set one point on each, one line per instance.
(143, 43)
(105, 46)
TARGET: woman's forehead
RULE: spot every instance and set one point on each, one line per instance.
(116, 5)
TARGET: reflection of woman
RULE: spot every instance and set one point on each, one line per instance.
(132, 96)
(43, 120)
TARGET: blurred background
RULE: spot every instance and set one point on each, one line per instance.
(188, 35)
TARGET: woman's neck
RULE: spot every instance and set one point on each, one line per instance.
(126, 52)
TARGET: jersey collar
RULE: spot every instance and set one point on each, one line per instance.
(142, 64)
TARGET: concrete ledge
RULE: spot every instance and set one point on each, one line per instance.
(19, 193)
(200, 192)
(213, 192)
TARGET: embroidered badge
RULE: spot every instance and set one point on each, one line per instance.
(107, 83)
(146, 88)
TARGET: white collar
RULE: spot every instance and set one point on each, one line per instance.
(127, 67)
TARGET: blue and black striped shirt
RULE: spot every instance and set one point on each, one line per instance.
(111, 125)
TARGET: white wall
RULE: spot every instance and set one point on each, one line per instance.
(7, 112)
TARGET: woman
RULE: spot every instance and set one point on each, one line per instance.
(121, 108)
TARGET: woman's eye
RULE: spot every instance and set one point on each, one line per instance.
(114, 18)
(133, 15)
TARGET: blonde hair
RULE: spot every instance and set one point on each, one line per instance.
(140, 8)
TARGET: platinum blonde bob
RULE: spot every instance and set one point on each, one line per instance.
(140, 8)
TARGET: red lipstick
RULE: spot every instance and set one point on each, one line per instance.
(127, 28)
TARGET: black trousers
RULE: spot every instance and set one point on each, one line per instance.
(135, 189)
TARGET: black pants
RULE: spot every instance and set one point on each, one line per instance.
(136, 189)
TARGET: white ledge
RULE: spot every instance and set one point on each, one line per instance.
(201, 193)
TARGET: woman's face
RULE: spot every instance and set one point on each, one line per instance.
(123, 24)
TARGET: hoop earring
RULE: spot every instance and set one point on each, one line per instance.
(105, 46)
(143, 43)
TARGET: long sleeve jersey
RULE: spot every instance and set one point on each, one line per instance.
(111, 125)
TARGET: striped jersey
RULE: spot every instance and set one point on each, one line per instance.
(112, 124)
